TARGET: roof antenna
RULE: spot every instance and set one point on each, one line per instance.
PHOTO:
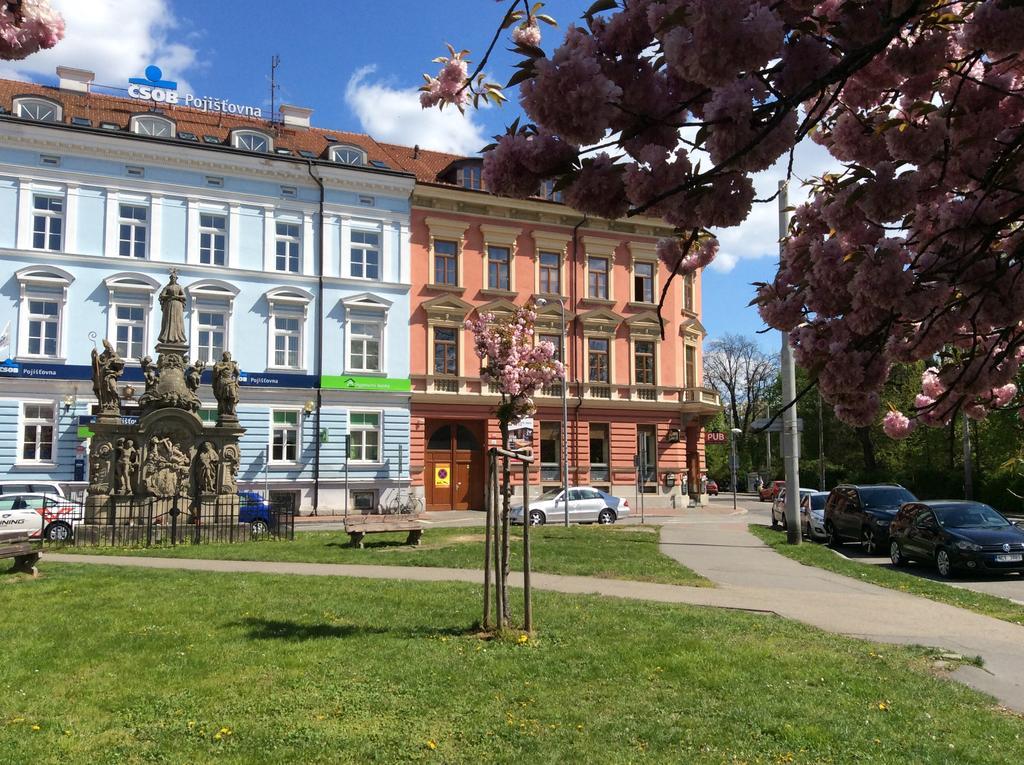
(275, 61)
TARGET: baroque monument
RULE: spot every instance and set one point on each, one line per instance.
(168, 467)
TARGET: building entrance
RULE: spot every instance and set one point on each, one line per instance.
(455, 460)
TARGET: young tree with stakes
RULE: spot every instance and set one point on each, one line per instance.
(517, 366)
(911, 251)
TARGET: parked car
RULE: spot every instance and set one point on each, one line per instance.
(17, 518)
(956, 535)
(712, 488)
(586, 505)
(863, 513)
(31, 487)
(779, 506)
(56, 517)
(255, 510)
(769, 491)
(812, 515)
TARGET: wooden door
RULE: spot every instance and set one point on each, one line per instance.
(454, 464)
(462, 485)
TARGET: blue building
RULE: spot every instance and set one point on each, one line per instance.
(292, 244)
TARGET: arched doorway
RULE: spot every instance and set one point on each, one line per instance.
(454, 473)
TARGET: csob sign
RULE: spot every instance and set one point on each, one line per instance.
(153, 87)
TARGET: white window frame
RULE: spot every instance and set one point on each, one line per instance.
(364, 338)
(245, 139)
(49, 216)
(353, 430)
(213, 231)
(292, 243)
(345, 154)
(43, 319)
(24, 422)
(296, 428)
(134, 225)
(365, 248)
(287, 303)
(280, 357)
(209, 353)
(116, 323)
(152, 125)
(212, 296)
(24, 105)
(131, 290)
(47, 283)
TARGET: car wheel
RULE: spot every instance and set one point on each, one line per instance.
(259, 528)
(868, 541)
(775, 523)
(785, 523)
(944, 564)
(57, 532)
(606, 516)
(537, 518)
(896, 554)
(831, 537)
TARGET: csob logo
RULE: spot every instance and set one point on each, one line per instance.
(153, 87)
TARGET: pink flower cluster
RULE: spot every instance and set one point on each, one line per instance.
(27, 28)
(512, 360)
(449, 86)
(527, 33)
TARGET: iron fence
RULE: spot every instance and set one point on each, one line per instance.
(152, 521)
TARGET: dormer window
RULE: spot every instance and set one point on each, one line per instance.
(38, 109)
(348, 155)
(251, 140)
(152, 125)
(548, 191)
(470, 177)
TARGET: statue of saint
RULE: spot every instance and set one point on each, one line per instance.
(128, 459)
(107, 368)
(194, 374)
(172, 305)
(149, 372)
(207, 462)
(225, 385)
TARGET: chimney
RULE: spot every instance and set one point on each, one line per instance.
(295, 116)
(77, 80)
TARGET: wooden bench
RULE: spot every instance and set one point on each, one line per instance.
(21, 549)
(357, 527)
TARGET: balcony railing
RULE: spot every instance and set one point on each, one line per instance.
(446, 385)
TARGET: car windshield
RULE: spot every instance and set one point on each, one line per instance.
(550, 494)
(818, 501)
(885, 496)
(970, 517)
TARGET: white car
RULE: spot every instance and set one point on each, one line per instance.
(586, 505)
(53, 518)
(31, 487)
(812, 515)
(779, 506)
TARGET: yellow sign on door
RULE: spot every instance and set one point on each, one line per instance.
(442, 475)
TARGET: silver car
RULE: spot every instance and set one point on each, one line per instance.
(779, 506)
(586, 505)
(812, 515)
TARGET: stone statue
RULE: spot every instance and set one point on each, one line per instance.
(207, 469)
(229, 459)
(107, 368)
(193, 375)
(165, 471)
(128, 459)
(99, 468)
(172, 306)
(149, 372)
(225, 385)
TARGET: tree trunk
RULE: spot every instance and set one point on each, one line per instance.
(868, 449)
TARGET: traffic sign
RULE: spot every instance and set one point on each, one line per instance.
(761, 424)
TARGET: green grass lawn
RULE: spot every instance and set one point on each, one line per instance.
(615, 552)
(141, 666)
(812, 554)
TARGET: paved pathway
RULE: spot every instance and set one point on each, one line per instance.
(751, 577)
(745, 568)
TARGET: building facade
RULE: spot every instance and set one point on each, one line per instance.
(635, 400)
(292, 244)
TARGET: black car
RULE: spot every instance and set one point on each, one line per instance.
(863, 514)
(954, 535)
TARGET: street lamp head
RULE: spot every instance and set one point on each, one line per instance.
(540, 302)
(737, 432)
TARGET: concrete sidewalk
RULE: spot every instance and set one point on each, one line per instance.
(746, 569)
(750, 577)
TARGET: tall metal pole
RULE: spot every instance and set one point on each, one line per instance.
(768, 441)
(565, 420)
(821, 447)
(968, 467)
(790, 443)
(732, 462)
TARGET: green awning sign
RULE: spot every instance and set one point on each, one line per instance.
(357, 382)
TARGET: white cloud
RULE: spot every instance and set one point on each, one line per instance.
(116, 39)
(758, 235)
(395, 116)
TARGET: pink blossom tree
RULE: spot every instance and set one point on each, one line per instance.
(26, 26)
(513, 362)
(911, 251)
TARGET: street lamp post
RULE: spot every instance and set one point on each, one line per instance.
(565, 411)
(732, 445)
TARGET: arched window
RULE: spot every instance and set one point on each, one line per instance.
(348, 155)
(41, 319)
(152, 125)
(251, 140)
(38, 109)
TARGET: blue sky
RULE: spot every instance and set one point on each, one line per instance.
(357, 64)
